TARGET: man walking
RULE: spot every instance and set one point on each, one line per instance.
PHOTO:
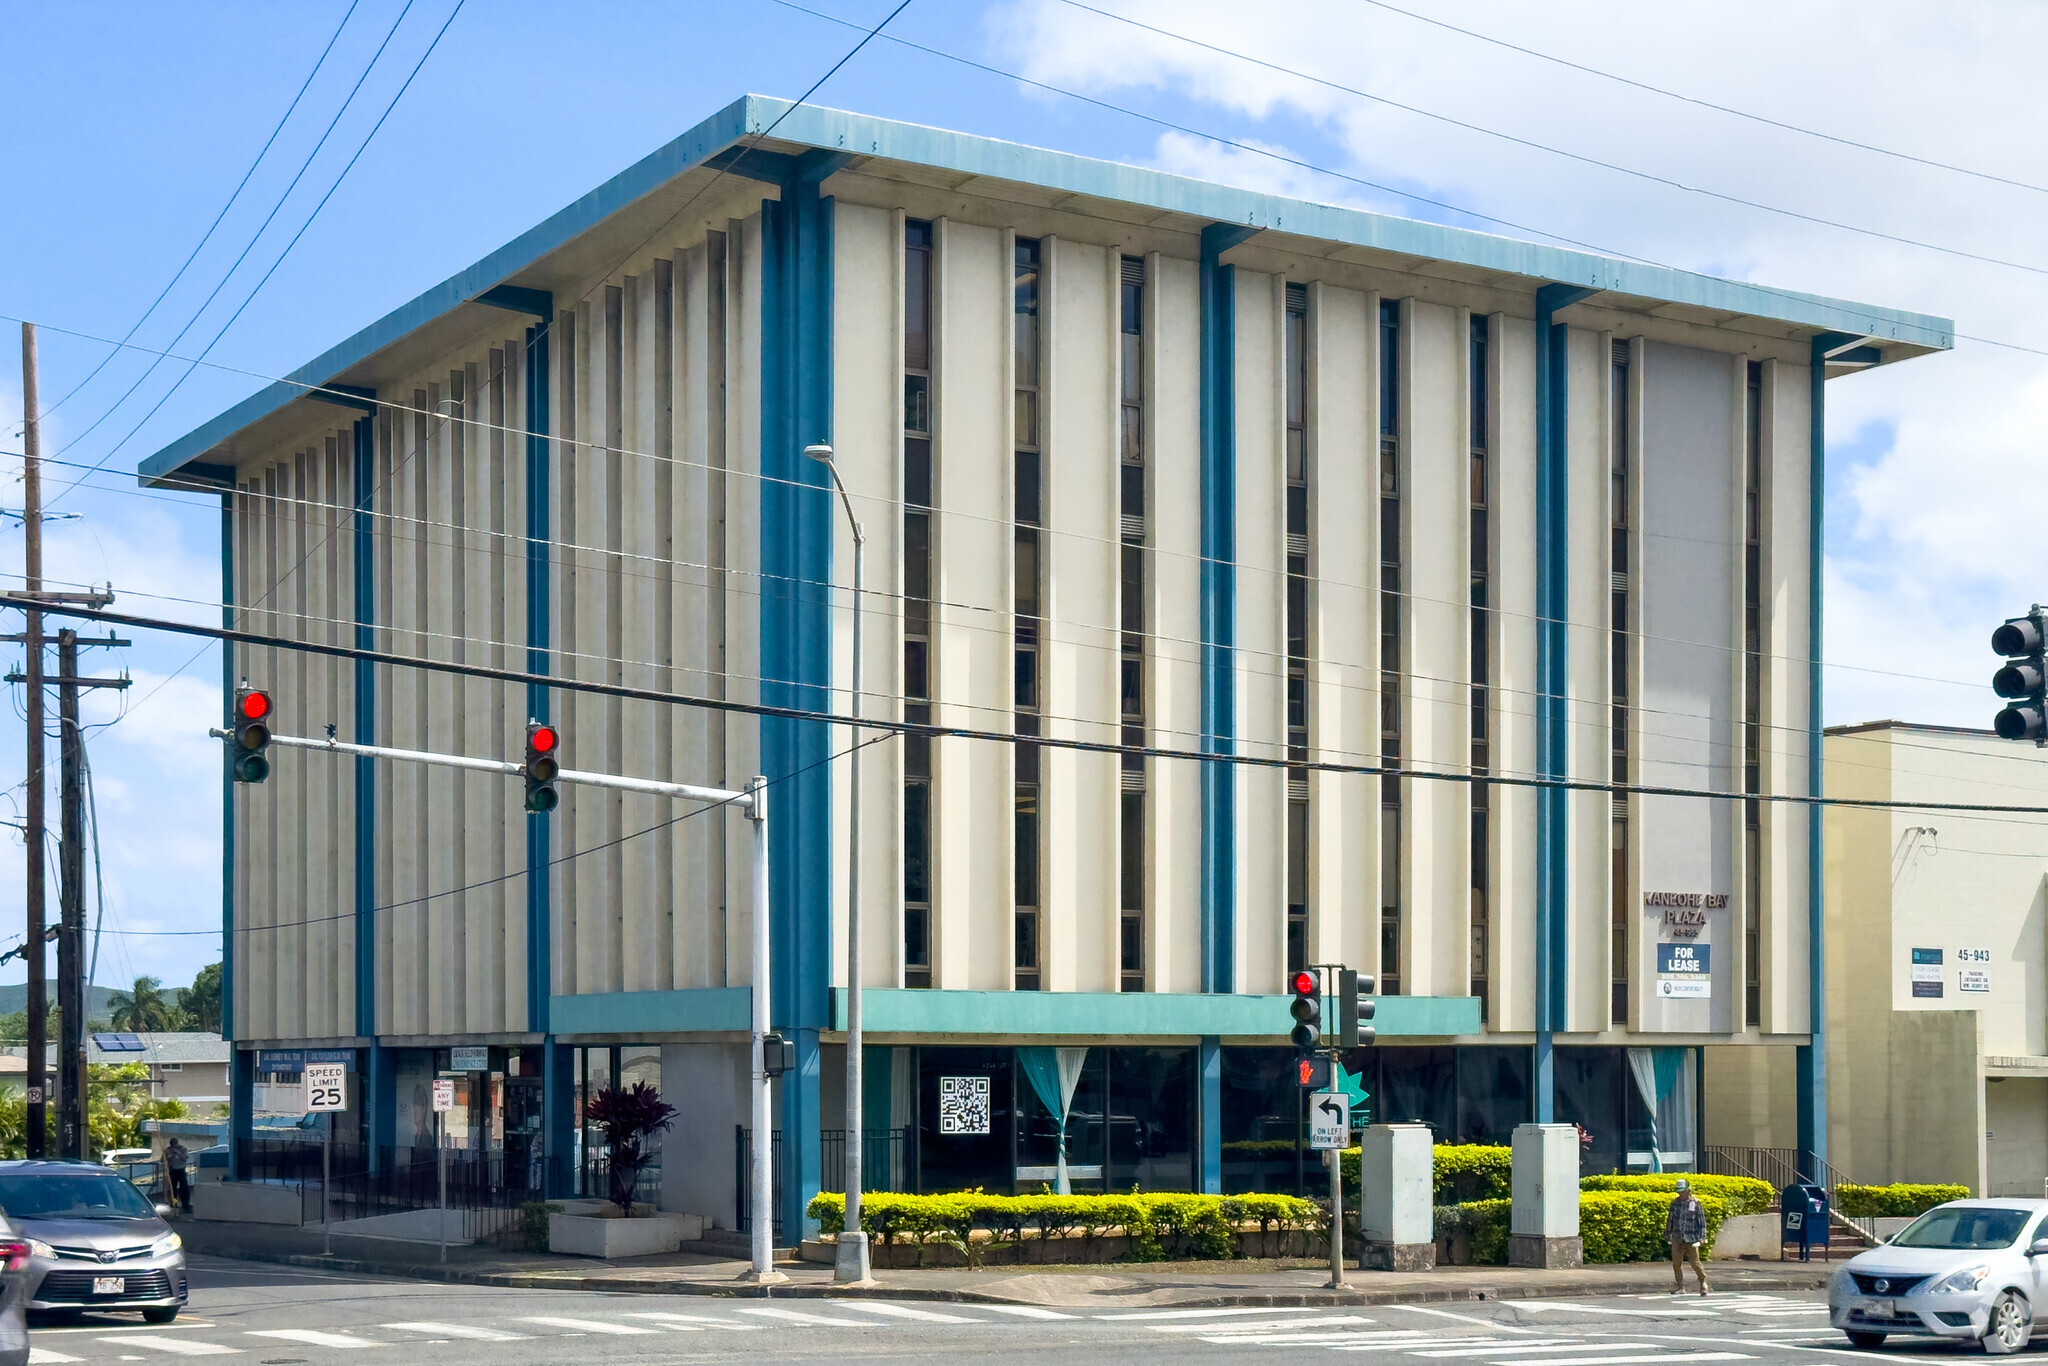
(1686, 1227)
(181, 1182)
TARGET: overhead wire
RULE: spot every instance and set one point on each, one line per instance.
(214, 226)
(1650, 176)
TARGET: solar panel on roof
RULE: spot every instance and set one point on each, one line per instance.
(120, 1043)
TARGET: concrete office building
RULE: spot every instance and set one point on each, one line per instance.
(1377, 507)
(1937, 961)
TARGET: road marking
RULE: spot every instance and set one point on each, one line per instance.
(39, 1355)
(1541, 1306)
(311, 1337)
(683, 1321)
(1374, 1340)
(792, 1316)
(1467, 1318)
(1640, 1357)
(1542, 1345)
(1271, 1325)
(1197, 1313)
(621, 1330)
(904, 1311)
(1024, 1311)
(177, 1346)
(459, 1330)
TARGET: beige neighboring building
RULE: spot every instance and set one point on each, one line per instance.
(191, 1067)
(1937, 960)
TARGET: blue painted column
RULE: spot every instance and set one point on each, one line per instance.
(241, 1110)
(227, 776)
(1219, 603)
(380, 1100)
(797, 527)
(558, 1118)
(1553, 753)
(1810, 1060)
(379, 1079)
(539, 827)
(1209, 1061)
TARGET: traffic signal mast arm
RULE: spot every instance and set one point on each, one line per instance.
(651, 786)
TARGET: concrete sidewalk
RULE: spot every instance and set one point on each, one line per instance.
(1279, 1284)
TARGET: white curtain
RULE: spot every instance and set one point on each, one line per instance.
(1667, 1081)
(1642, 1066)
(1071, 1061)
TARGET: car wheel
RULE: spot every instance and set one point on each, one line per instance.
(2010, 1326)
(1866, 1342)
(164, 1315)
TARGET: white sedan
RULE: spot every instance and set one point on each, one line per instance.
(1972, 1269)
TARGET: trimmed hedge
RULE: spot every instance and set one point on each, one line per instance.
(1485, 1222)
(1464, 1172)
(1615, 1225)
(1741, 1194)
(1158, 1225)
(1899, 1200)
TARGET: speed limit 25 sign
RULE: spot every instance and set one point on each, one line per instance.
(326, 1086)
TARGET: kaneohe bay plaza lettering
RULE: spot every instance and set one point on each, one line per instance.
(1685, 913)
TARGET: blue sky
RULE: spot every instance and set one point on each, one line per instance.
(129, 125)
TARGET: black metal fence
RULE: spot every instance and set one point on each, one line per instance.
(888, 1159)
(743, 1182)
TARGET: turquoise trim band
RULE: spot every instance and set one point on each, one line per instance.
(894, 1010)
(707, 1009)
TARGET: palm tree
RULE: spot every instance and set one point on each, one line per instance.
(143, 1009)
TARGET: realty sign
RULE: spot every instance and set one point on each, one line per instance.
(1684, 960)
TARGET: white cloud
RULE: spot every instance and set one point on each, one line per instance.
(1933, 536)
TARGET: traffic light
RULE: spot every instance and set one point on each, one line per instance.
(2023, 679)
(1312, 1070)
(252, 734)
(1307, 1009)
(543, 766)
(1355, 1006)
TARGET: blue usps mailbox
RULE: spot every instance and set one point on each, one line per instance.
(1803, 1218)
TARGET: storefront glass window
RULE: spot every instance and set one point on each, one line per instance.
(1418, 1086)
(1590, 1094)
(1152, 1119)
(1262, 1122)
(1493, 1093)
(965, 1110)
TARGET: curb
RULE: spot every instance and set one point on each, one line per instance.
(627, 1283)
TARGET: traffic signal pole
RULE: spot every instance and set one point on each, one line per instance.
(34, 819)
(753, 804)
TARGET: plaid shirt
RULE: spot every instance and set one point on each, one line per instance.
(1687, 1222)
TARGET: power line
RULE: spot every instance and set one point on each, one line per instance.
(207, 236)
(1650, 176)
(254, 238)
(1708, 104)
(765, 710)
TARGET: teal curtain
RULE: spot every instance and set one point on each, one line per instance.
(1054, 1073)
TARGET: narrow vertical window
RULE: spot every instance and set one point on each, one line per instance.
(1752, 699)
(1296, 497)
(1390, 647)
(1480, 497)
(1618, 493)
(1131, 590)
(1028, 615)
(917, 605)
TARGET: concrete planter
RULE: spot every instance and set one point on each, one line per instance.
(1753, 1237)
(250, 1202)
(603, 1233)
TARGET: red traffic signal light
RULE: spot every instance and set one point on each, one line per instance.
(1302, 983)
(1306, 1008)
(543, 766)
(253, 704)
(252, 735)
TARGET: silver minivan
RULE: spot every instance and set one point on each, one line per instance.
(95, 1242)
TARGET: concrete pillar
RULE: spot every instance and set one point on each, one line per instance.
(380, 1101)
(241, 1111)
(1397, 1179)
(1543, 1229)
(558, 1118)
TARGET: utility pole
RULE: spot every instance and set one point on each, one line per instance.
(73, 1137)
(32, 527)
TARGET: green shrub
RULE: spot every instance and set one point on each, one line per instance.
(533, 1224)
(1484, 1222)
(1898, 1200)
(1628, 1226)
(1472, 1172)
(1159, 1225)
(1741, 1194)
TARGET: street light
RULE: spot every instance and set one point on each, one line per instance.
(850, 1265)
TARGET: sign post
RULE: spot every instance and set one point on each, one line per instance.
(444, 1101)
(1329, 1129)
(326, 1094)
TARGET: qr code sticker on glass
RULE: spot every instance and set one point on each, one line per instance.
(963, 1105)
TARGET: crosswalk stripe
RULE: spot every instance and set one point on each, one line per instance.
(792, 1316)
(466, 1331)
(696, 1321)
(1299, 1339)
(1552, 1306)
(621, 1330)
(904, 1311)
(311, 1337)
(1541, 1345)
(38, 1356)
(184, 1347)
(1634, 1359)
(1024, 1311)
(1267, 1325)
(1195, 1313)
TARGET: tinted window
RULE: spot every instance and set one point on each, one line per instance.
(83, 1196)
(1964, 1226)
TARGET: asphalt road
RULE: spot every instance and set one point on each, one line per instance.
(282, 1316)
